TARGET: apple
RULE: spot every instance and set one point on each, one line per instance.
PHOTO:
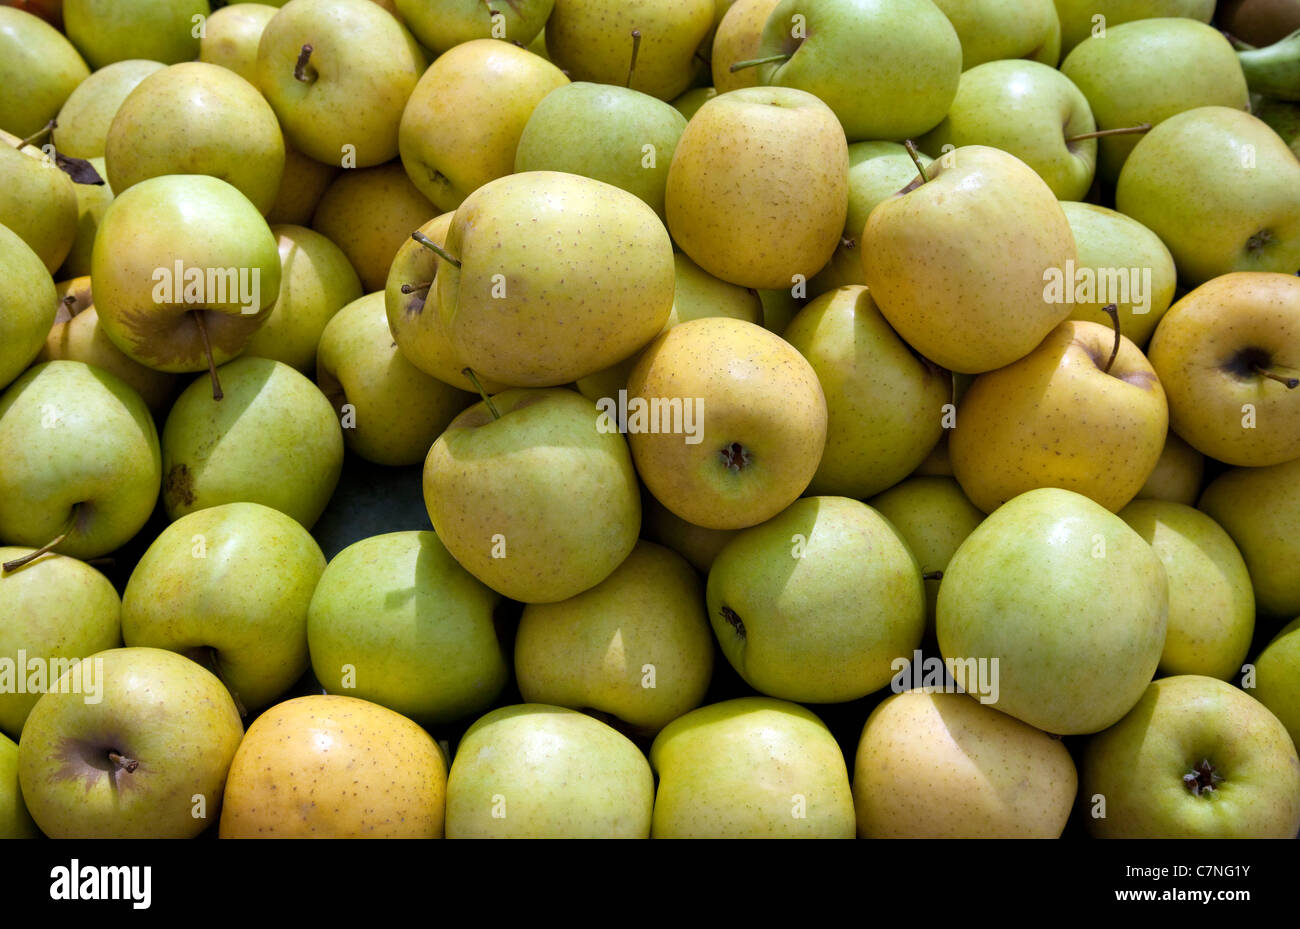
(87, 114)
(37, 201)
(1178, 473)
(92, 203)
(304, 182)
(28, 304)
(15, 821)
(110, 30)
(1277, 683)
(39, 70)
(991, 30)
(442, 24)
(1083, 18)
(231, 37)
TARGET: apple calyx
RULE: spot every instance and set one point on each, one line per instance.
(473, 379)
(736, 457)
(1112, 311)
(217, 393)
(1261, 239)
(16, 563)
(733, 619)
(636, 48)
(1102, 133)
(753, 62)
(1202, 779)
(435, 248)
(123, 763)
(300, 66)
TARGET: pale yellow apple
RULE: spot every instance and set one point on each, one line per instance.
(304, 182)
(1178, 473)
(89, 110)
(737, 39)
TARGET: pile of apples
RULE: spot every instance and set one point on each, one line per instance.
(650, 418)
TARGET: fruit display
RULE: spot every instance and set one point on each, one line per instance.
(649, 419)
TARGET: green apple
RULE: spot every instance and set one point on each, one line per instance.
(884, 404)
(503, 484)
(92, 203)
(538, 771)
(185, 269)
(1228, 353)
(628, 138)
(316, 281)
(887, 68)
(107, 31)
(1028, 109)
(936, 765)
(274, 439)
(1195, 758)
(636, 646)
(1142, 73)
(39, 69)
(1178, 473)
(396, 621)
(28, 304)
(197, 118)
(304, 182)
(726, 420)
(1068, 601)
(926, 258)
(465, 118)
(324, 766)
(590, 284)
(229, 586)
(442, 24)
(88, 112)
(147, 760)
(15, 821)
(232, 35)
(57, 610)
(390, 410)
(1274, 70)
(1083, 18)
(877, 171)
(1122, 262)
(991, 30)
(1211, 603)
(37, 201)
(817, 603)
(737, 39)
(753, 767)
(689, 103)
(1260, 508)
(1277, 682)
(81, 457)
(654, 46)
(338, 74)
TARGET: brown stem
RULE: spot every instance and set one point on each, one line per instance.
(300, 68)
(473, 379)
(126, 764)
(916, 159)
(412, 288)
(758, 61)
(47, 128)
(1102, 133)
(1112, 311)
(17, 563)
(435, 248)
(1291, 383)
(207, 351)
(636, 48)
(932, 576)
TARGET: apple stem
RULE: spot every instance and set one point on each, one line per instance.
(1102, 133)
(932, 576)
(473, 379)
(435, 248)
(916, 159)
(1291, 383)
(17, 563)
(300, 68)
(126, 764)
(48, 127)
(412, 288)
(217, 393)
(1112, 311)
(636, 48)
(758, 61)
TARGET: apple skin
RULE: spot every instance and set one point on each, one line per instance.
(737, 38)
(1178, 473)
(993, 30)
(37, 201)
(88, 112)
(158, 708)
(304, 182)
(109, 30)
(934, 765)
(15, 821)
(28, 304)
(39, 69)
(93, 201)
(443, 24)
(232, 36)
(324, 766)
(696, 544)
(1077, 21)
(1139, 765)
(1277, 681)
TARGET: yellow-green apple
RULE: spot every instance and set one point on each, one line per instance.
(1028, 109)
(231, 37)
(229, 586)
(390, 410)
(938, 463)
(937, 765)
(1195, 758)
(748, 768)
(1178, 473)
(636, 646)
(324, 766)
(884, 404)
(503, 484)
(1260, 508)
(696, 544)
(1211, 603)
(1083, 18)
(39, 70)
(938, 290)
(304, 182)
(185, 269)
(28, 304)
(1228, 355)
(1068, 601)
(442, 24)
(737, 39)
(726, 420)
(758, 187)
(1122, 262)
(89, 110)
(779, 307)
(147, 759)
(887, 68)
(273, 439)
(57, 611)
(654, 46)
(843, 270)
(396, 621)
(538, 771)
(1142, 73)
(316, 281)
(877, 171)
(589, 284)
(37, 201)
(92, 204)
(197, 118)
(628, 138)
(1065, 415)
(465, 118)
(1277, 678)
(689, 103)
(991, 30)
(160, 30)
(81, 457)
(15, 821)
(338, 74)
(369, 214)
(1221, 189)
(817, 603)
